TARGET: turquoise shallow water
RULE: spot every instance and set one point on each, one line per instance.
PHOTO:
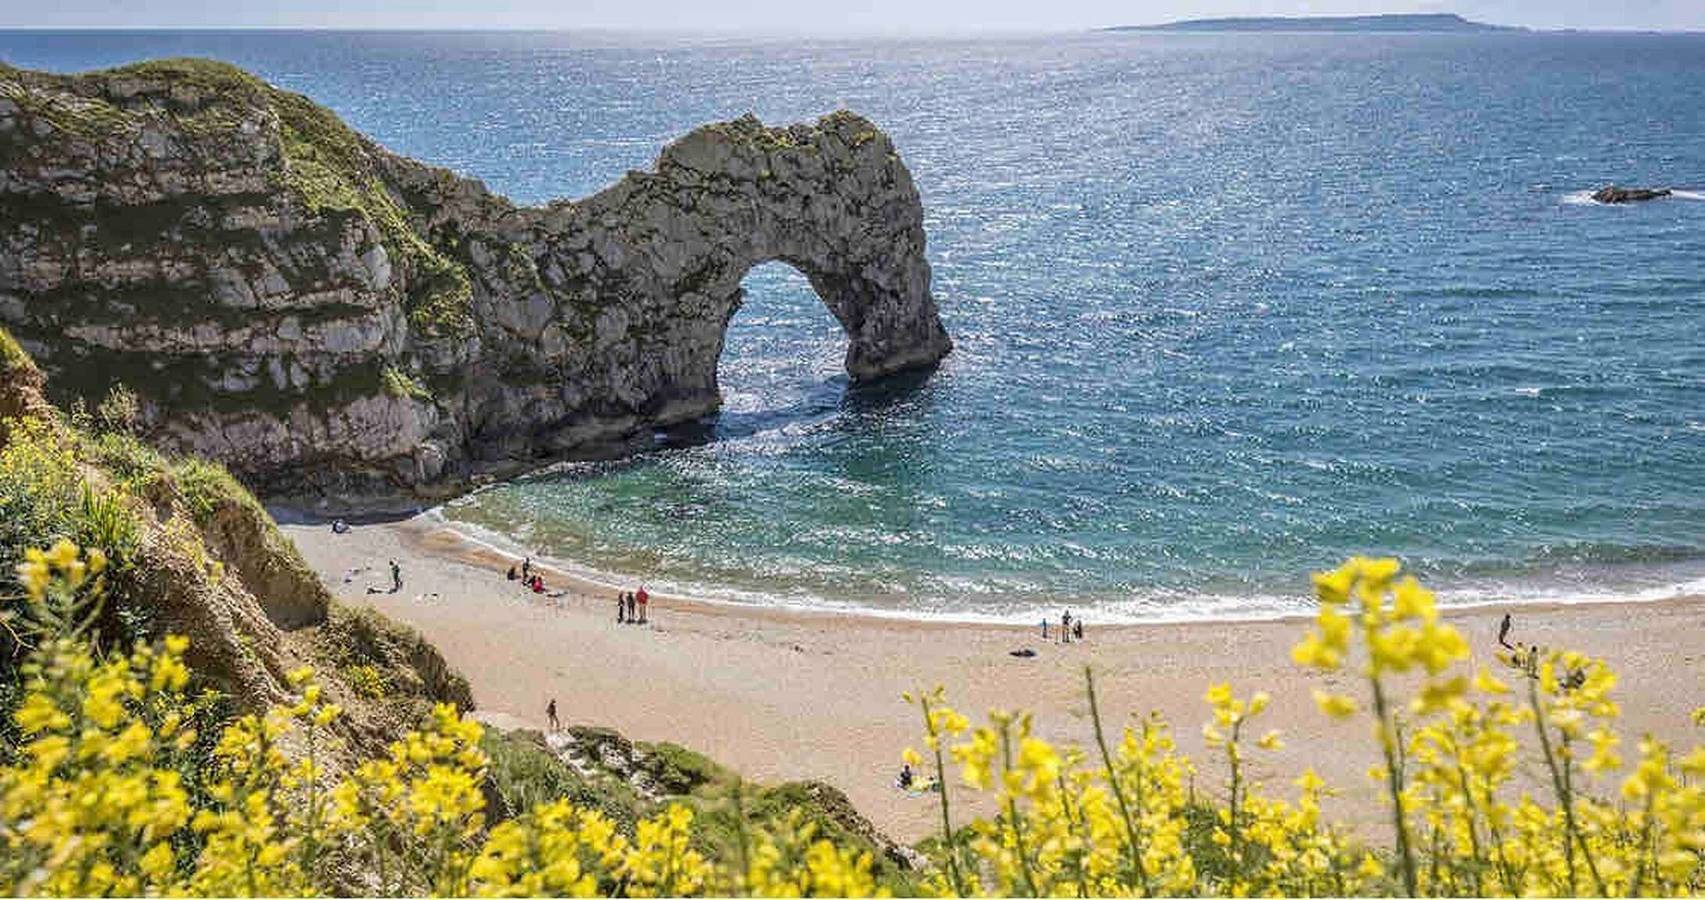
(1227, 308)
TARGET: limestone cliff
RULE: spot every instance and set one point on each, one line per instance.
(339, 324)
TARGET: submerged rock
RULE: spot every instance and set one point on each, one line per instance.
(343, 326)
(1615, 194)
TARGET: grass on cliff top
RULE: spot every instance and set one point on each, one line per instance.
(211, 76)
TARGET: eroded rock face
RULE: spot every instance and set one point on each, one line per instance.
(341, 325)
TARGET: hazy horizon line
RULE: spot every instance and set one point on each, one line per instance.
(856, 31)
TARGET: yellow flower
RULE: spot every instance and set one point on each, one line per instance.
(1337, 706)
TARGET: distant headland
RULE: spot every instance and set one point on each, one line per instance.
(1396, 22)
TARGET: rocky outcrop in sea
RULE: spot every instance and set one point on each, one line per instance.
(343, 326)
(1612, 193)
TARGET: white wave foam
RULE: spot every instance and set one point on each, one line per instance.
(1156, 608)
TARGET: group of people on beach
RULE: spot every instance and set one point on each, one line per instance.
(530, 580)
(631, 607)
(1069, 629)
(1527, 657)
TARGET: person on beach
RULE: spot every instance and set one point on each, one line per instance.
(527, 569)
(641, 598)
(339, 526)
(906, 777)
(1044, 629)
(633, 617)
(550, 713)
(621, 607)
(1066, 627)
(538, 584)
(1504, 632)
(1077, 630)
(512, 576)
(396, 577)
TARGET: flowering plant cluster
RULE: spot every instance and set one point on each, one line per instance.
(96, 801)
(1124, 819)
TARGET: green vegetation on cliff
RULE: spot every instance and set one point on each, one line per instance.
(329, 167)
(11, 355)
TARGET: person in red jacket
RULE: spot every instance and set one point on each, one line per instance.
(641, 598)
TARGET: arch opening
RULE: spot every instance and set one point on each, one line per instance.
(783, 352)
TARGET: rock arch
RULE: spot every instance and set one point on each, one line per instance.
(832, 200)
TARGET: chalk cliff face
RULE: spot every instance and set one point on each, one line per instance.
(339, 324)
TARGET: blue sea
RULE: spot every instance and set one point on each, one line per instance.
(1227, 308)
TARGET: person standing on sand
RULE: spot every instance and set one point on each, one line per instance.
(1504, 632)
(1044, 629)
(1066, 627)
(396, 577)
(527, 570)
(621, 608)
(633, 617)
(550, 713)
(1077, 630)
(642, 598)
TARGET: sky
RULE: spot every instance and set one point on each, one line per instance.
(810, 16)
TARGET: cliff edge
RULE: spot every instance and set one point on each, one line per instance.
(342, 326)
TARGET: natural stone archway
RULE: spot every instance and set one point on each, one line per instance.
(832, 200)
(344, 326)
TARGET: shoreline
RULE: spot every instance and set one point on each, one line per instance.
(784, 694)
(470, 544)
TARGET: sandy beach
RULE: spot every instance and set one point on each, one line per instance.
(783, 695)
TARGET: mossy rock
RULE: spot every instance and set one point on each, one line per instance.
(524, 773)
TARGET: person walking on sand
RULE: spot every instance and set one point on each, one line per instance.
(550, 713)
(621, 608)
(1044, 628)
(633, 616)
(1504, 632)
(396, 577)
(642, 598)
